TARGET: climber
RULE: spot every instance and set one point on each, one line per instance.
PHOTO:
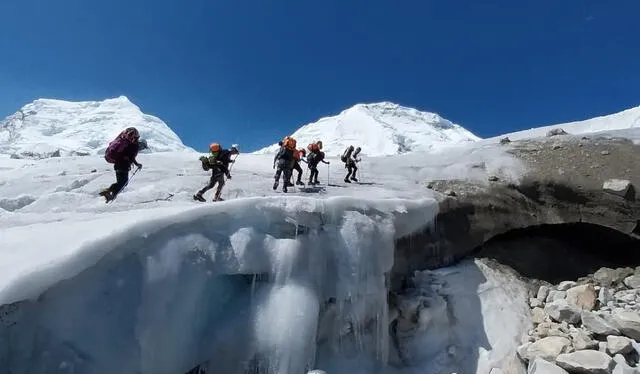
(285, 160)
(297, 157)
(315, 156)
(218, 162)
(122, 152)
(350, 158)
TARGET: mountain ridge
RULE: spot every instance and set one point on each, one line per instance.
(380, 128)
(53, 127)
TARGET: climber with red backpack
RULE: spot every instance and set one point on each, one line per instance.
(297, 157)
(122, 152)
(285, 161)
(314, 157)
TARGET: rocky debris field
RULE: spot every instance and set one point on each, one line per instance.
(588, 326)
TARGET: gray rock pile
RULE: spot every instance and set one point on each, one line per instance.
(591, 326)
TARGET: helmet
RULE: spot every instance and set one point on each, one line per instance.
(214, 147)
(131, 133)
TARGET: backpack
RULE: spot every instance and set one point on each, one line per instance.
(313, 147)
(346, 153)
(116, 147)
(311, 158)
(289, 143)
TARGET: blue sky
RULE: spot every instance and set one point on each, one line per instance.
(250, 72)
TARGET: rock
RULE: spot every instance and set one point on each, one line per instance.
(565, 285)
(94, 170)
(547, 348)
(317, 372)
(583, 296)
(556, 295)
(619, 187)
(608, 277)
(556, 146)
(543, 292)
(622, 367)
(505, 140)
(602, 347)
(556, 132)
(598, 325)
(535, 303)
(496, 371)
(541, 366)
(605, 153)
(561, 311)
(628, 323)
(587, 361)
(538, 315)
(632, 281)
(618, 345)
(625, 296)
(450, 193)
(493, 178)
(605, 296)
(581, 341)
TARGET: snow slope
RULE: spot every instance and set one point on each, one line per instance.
(626, 119)
(380, 129)
(49, 127)
(158, 283)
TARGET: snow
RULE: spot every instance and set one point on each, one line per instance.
(158, 283)
(628, 119)
(46, 126)
(380, 129)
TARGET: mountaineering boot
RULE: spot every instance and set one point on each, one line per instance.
(346, 180)
(199, 197)
(284, 188)
(299, 183)
(316, 182)
(354, 179)
(106, 193)
(289, 184)
(275, 185)
(217, 197)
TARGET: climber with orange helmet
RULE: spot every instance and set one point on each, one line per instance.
(218, 162)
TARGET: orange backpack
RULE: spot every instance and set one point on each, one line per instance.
(289, 143)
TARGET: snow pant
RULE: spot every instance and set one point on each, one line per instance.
(215, 179)
(284, 169)
(313, 175)
(122, 177)
(352, 169)
(296, 167)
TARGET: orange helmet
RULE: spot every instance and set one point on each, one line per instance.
(214, 147)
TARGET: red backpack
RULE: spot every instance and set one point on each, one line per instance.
(116, 147)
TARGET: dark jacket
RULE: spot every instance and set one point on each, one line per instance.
(284, 157)
(127, 157)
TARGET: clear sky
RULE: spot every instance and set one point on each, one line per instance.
(252, 71)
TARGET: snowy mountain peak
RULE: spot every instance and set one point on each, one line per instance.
(52, 127)
(382, 128)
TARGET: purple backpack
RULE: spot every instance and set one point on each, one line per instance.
(115, 149)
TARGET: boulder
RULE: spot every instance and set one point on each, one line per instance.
(556, 132)
(619, 187)
(541, 366)
(632, 281)
(608, 277)
(628, 323)
(543, 292)
(584, 296)
(622, 367)
(538, 315)
(598, 325)
(565, 285)
(562, 311)
(587, 362)
(556, 295)
(547, 348)
(605, 296)
(535, 303)
(582, 340)
(618, 345)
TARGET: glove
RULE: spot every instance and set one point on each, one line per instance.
(228, 176)
(139, 166)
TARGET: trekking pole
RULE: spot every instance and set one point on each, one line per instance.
(125, 185)
(328, 168)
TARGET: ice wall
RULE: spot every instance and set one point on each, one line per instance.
(273, 285)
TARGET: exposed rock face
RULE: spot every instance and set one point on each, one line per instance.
(562, 186)
(588, 362)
